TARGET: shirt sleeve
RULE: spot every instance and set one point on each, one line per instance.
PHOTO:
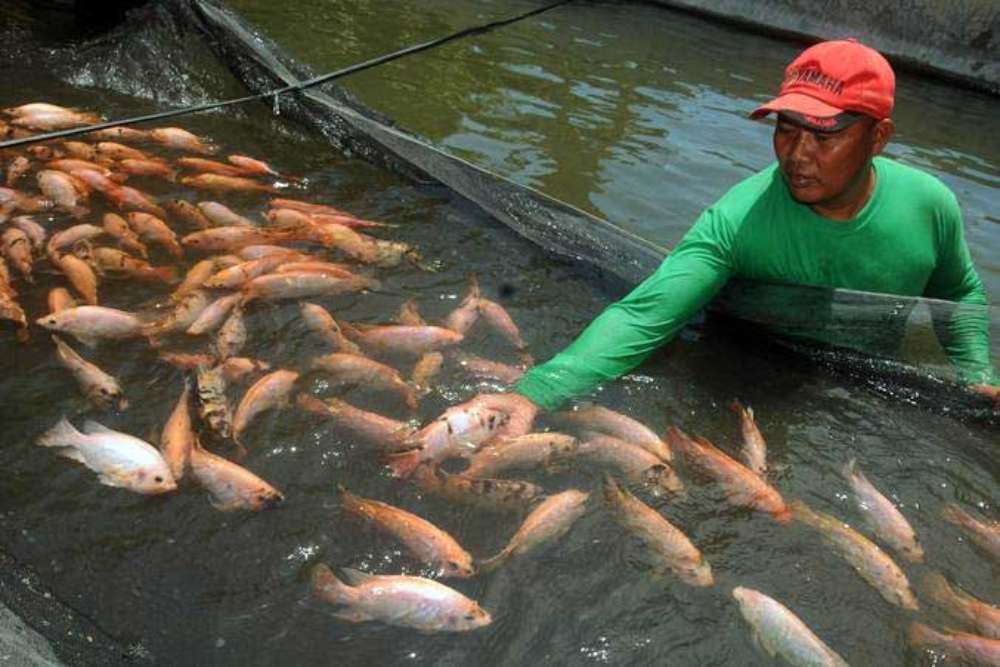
(963, 328)
(627, 332)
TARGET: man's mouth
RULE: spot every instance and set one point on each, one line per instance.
(799, 181)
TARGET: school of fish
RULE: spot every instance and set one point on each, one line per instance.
(66, 211)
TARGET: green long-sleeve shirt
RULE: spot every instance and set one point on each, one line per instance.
(908, 240)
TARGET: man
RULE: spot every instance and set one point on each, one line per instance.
(829, 213)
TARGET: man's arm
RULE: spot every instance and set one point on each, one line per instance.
(964, 328)
(625, 334)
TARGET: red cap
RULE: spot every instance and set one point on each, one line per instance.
(832, 77)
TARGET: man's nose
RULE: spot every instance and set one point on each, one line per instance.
(803, 146)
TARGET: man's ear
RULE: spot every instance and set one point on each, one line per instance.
(882, 131)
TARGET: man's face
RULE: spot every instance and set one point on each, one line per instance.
(827, 168)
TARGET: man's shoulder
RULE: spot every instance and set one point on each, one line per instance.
(912, 183)
(748, 193)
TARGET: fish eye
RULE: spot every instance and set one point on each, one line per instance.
(157, 479)
(105, 391)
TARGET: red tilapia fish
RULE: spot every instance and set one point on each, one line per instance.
(385, 433)
(98, 386)
(969, 649)
(220, 183)
(491, 495)
(546, 524)
(978, 615)
(346, 368)
(742, 486)
(118, 459)
(46, 117)
(181, 139)
(423, 539)
(670, 547)
(754, 451)
(231, 486)
(271, 391)
(881, 515)
(412, 602)
(634, 463)
(526, 451)
(91, 324)
(985, 534)
(457, 432)
(178, 438)
(780, 632)
(873, 564)
(599, 419)
(402, 339)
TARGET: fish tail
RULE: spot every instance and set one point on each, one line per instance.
(680, 441)
(936, 586)
(492, 563)
(614, 492)
(922, 635)
(404, 463)
(952, 513)
(167, 274)
(737, 407)
(802, 512)
(327, 586)
(63, 434)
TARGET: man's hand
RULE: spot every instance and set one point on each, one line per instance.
(521, 410)
(990, 391)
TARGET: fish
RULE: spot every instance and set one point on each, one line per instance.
(11, 311)
(479, 367)
(60, 299)
(599, 419)
(62, 189)
(302, 285)
(194, 279)
(182, 315)
(257, 251)
(185, 360)
(547, 523)
(220, 183)
(236, 276)
(427, 367)
(130, 199)
(234, 238)
(148, 167)
(252, 166)
(401, 339)
(387, 434)
(969, 649)
(187, 212)
(120, 133)
(17, 250)
(80, 276)
(424, 540)
(223, 216)
(313, 266)
(107, 260)
(117, 151)
(102, 389)
(178, 438)
(882, 517)
(71, 236)
(754, 451)
(15, 200)
(91, 324)
(741, 485)
(35, 232)
(345, 368)
(114, 225)
(233, 334)
(873, 564)
(17, 168)
(204, 166)
(491, 495)
(152, 229)
(981, 617)
(231, 486)
(636, 464)
(234, 369)
(73, 165)
(271, 391)
(80, 150)
(306, 207)
(119, 459)
(498, 319)
(459, 431)
(181, 139)
(986, 535)
(467, 314)
(412, 602)
(214, 315)
(548, 450)
(213, 406)
(47, 117)
(670, 547)
(321, 323)
(780, 632)
(95, 180)
(355, 245)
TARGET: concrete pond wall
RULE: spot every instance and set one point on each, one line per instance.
(956, 39)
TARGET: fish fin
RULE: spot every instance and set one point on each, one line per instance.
(356, 577)
(89, 341)
(352, 616)
(492, 563)
(403, 464)
(851, 468)
(73, 454)
(614, 492)
(113, 476)
(91, 427)
(63, 434)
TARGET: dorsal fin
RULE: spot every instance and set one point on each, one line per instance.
(91, 427)
(356, 577)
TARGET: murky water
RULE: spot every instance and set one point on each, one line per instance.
(191, 585)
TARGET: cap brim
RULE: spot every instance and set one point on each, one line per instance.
(799, 103)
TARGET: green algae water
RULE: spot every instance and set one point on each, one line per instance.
(625, 110)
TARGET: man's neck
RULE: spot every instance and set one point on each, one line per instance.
(850, 202)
